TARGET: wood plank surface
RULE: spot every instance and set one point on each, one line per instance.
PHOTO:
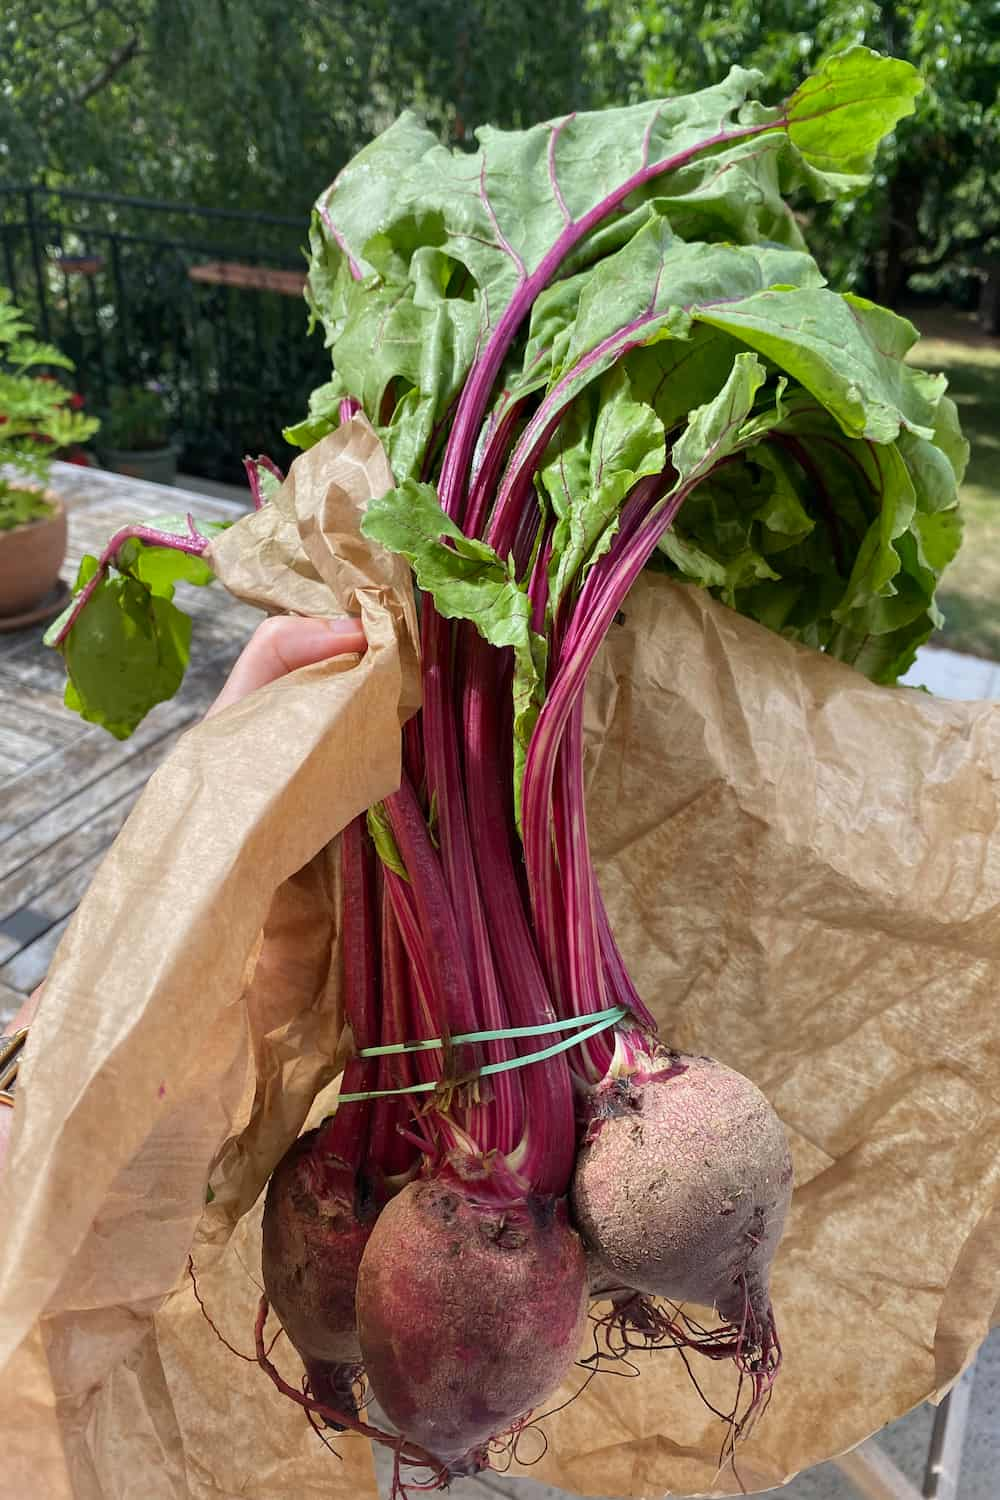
(66, 787)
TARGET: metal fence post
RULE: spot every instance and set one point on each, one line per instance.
(36, 257)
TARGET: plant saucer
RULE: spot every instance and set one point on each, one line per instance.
(56, 599)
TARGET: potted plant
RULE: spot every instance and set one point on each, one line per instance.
(136, 433)
(39, 418)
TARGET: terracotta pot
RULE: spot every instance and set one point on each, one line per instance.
(30, 559)
(157, 465)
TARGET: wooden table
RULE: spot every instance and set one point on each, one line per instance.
(66, 786)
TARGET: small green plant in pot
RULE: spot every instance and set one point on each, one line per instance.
(136, 434)
(38, 418)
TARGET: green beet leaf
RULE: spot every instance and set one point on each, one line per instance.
(607, 444)
(838, 116)
(406, 210)
(845, 350)
(129, 645)
(467, 581)
(127, 652)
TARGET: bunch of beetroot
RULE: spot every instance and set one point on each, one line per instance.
(590, 344)
(588, 348)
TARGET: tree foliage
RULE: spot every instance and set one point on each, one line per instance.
(257, 103)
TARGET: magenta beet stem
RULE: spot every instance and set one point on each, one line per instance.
(584, 979)
(461, 1006)
(346, 1135)
(388, 1150)
(476, 393)
(600, 599)
(252, 466)
(195, 546)
(549, 1152)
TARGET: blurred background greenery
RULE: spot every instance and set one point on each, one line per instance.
(255, 104)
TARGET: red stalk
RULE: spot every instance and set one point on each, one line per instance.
(345, 1136)
(458, 1007)
(547, 1160)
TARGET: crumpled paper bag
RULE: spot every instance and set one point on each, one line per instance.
(804, 878)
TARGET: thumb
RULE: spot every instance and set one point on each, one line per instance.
(282, 644)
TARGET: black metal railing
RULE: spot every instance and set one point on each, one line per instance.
(206, 301)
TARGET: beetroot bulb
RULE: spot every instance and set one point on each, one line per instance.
(681, 1189)
(325, 1194)
(469, 1315)
(315, 1228)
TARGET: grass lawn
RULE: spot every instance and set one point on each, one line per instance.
(970, 590)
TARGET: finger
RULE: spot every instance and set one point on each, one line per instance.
(283, 644)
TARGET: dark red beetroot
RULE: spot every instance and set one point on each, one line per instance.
(314, 1233)
(682, 1188)
(469, 1317)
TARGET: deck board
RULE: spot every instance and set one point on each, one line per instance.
(66, 787)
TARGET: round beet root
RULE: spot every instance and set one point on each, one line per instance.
(682, 1187)
(468, 1316)
(314, 1234)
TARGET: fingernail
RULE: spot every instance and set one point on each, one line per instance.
(341, 627)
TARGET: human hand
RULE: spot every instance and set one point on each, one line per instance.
(280, 645)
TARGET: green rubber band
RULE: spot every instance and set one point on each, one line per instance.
(571, 1023)
(606, 1018)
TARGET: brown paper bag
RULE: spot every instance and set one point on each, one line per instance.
(800, 870)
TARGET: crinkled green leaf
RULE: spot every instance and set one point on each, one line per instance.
(715, 429)
(605, 445)
(733, 529)
(845, 350)
(465, 577)
(405, 360)
(871, 588)
(406, 212)
(853, 534)
(658, 284)
(672, 375)
(948, 438)
(883, 658)
(505, 206)
(351, 211)
(324, 415)
(725, 577)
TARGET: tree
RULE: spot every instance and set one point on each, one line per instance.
(257, 103)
